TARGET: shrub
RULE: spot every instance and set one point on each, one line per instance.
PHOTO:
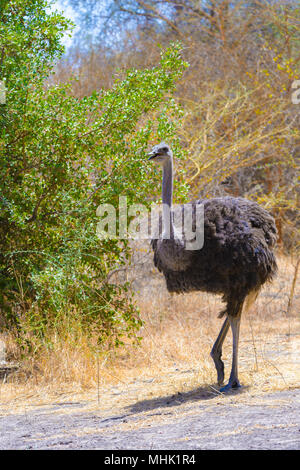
(61, 157)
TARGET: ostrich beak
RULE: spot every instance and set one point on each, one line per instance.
(151, 155)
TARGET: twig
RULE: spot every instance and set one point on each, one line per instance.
(254, 346)
(98, 393)
(292, 291)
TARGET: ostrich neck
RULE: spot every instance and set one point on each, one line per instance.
(167, 194)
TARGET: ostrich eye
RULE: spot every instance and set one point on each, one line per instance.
(165, 149)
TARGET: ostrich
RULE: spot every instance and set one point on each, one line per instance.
(235, 260)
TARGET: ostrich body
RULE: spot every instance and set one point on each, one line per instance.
(235, 260)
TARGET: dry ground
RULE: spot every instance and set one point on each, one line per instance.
(196, 419)
(163, 394)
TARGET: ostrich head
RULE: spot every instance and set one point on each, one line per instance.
(160, 154)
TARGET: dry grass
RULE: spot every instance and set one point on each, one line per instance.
(174, 355)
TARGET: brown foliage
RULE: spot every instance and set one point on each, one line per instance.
(240, 128)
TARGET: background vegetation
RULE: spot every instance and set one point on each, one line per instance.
(240, 128)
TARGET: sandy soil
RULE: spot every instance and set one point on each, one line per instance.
(193, 420)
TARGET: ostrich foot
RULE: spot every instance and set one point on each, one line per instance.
(233, 384)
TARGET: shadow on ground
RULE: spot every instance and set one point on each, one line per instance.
(196, 395)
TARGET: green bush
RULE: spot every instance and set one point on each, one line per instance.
(61, 157)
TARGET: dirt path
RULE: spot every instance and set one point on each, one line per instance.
(192, 420)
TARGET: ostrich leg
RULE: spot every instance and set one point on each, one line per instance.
(216, 352)
(235, 327)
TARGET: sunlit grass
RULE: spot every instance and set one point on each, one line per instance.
(174, 355)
